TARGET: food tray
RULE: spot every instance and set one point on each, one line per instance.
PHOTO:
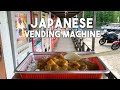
(95, 74)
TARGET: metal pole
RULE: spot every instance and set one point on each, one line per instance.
(83, 14)
(94, 27)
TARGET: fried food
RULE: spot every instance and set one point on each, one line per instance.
(55, 67)
(55, 59)
(83, 65)
(56, 63)
(64, 68)
(74, 64)
(50, 62)
(62, 63)
(48, 68)
(62, 57)
(41, 64)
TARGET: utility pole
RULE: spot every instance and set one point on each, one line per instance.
(94, 28)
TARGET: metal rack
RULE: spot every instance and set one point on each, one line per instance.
(80, 44)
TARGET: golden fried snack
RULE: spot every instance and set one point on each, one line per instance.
(62, 63)
(48, 67)
(62, 57)
(55, 59)
(72, 69)
(83, 65)
(50, 62)
(74, 64)
(64, 67)
(41, 64)
(55, 63)
(55, 67)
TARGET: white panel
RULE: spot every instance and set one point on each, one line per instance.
(19, 57)
(7, 50)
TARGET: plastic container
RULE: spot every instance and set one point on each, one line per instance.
(95, 74)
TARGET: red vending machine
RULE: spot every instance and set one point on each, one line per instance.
(40, 44)
(46, 40)
(36, 42)
(53, 40)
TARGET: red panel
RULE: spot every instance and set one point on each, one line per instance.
(32, 38)
(61, 76)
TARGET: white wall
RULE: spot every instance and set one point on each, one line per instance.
(6, 43)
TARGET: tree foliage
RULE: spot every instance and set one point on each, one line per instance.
(104, 17)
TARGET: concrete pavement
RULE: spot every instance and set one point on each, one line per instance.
(111, 61)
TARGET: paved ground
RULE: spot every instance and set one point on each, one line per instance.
(111, 61)
(64, 45)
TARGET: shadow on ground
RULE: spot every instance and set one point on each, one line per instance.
(107, 46)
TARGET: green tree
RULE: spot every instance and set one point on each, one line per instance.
(104, 17)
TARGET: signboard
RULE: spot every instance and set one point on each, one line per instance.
(21, 26)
